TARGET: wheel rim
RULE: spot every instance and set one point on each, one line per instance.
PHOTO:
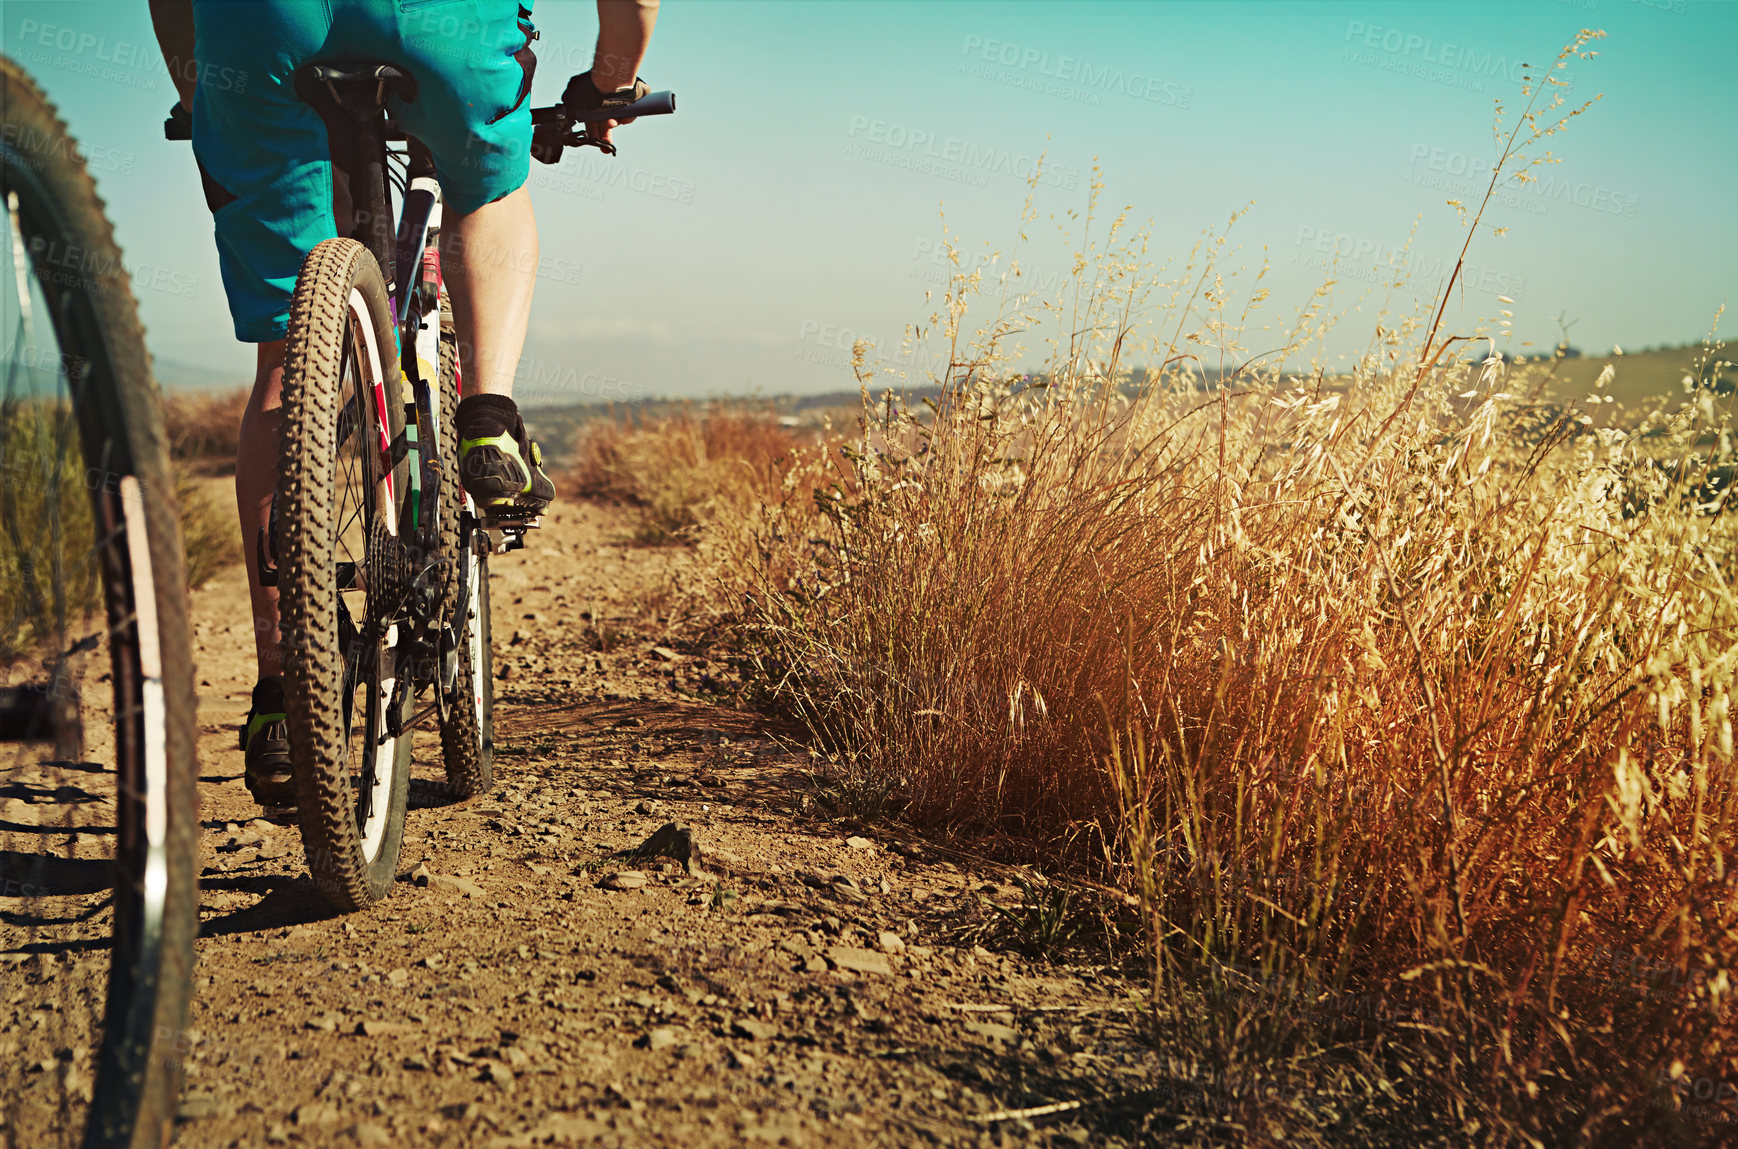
(365, 511)
(474, 633)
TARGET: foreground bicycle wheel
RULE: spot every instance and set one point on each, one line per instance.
(98, 895)
(468, 728)
(342, 574)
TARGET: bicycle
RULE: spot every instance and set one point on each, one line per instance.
(380, 559)
(98, 845)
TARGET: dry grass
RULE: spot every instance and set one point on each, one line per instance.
(1404, 707)
(48, 579)
(209, 530)
(204, 427)
(674, 473)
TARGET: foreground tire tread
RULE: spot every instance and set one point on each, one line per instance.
(137, 1083)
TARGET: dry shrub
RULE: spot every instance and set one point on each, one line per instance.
(48, 579)
(1401, 701)
(48, 582)
(204, 426)
(675, 472)
(209, 530)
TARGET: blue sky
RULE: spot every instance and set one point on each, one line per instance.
(796, 199)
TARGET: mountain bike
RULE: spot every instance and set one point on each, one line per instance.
(379, 557)
(98, 804)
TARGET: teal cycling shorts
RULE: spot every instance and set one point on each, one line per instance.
(264, 155)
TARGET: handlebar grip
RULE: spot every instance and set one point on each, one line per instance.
(650, 104)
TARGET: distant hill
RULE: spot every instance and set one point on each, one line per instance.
(1638, 377)
(1641, 375)
(180, 375)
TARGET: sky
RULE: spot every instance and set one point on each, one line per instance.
(796, 201)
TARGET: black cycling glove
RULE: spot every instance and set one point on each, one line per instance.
(583, 101)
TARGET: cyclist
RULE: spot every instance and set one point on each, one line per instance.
(274, 194)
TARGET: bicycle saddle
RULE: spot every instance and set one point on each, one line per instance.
(354, 85)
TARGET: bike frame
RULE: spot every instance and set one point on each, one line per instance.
(411, 265)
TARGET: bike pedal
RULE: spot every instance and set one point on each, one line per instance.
(510, 523)
(512, 532)
(503, 520)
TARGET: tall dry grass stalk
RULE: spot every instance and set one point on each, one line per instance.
(1403, 702)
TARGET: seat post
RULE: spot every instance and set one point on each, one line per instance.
(373, 223)
(352, 97)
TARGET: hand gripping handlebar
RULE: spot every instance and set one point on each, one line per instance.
(554, 128)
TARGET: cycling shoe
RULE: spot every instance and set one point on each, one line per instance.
(499, 464)
(265, 744)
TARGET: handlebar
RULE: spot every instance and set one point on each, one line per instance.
(650, 104)
(552, 128)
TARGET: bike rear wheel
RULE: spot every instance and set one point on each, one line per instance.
(343, 571)
(98, 844)
(468, 728)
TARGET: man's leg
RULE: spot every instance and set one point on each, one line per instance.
(265, 733)
(489, 261)
(256, 475)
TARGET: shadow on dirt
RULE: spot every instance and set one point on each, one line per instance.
(35, 875)
(284, 901)
(429, 795)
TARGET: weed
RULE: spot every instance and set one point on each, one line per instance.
(1042, 924)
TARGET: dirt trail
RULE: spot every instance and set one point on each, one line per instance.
(803, 992)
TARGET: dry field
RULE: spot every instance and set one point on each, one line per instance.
(1401, 707)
